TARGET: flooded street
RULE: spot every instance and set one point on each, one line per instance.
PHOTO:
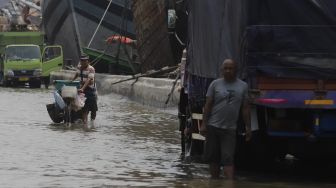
(130, 145)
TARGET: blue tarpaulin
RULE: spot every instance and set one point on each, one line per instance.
(275, 38)
(299, 34)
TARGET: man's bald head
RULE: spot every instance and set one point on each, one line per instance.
(228, 69)
(229, 61)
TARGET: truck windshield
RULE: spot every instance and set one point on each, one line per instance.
(23, 52)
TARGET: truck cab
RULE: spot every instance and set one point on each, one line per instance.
(24, 59)
(22, 64)
(52, 60)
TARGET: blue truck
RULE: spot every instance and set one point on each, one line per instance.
(286, 54)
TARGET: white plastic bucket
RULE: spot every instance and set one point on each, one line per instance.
(69, 92)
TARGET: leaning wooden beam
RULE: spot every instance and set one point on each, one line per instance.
(148, 74)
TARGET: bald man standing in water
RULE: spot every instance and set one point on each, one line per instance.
(225, 98)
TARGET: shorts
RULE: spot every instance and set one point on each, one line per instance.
(220, 146)
(90, 104)
(91, 100)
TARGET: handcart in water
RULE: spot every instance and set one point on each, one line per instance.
(68, 103)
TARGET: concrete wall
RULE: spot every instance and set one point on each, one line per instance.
(147, 91)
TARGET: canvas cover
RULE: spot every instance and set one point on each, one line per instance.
(287, 38)
(214, 30)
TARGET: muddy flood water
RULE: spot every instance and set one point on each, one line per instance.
(130, 145)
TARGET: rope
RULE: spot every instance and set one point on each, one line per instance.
(121, 34)
(96, 60)
(101, 20)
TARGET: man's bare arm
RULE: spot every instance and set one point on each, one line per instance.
(87, 82)
(206, 113)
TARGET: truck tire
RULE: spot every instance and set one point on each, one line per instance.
(3, 81)
(259, 153)
(7, 83)
(46, 81)
(2, 78)
(35, 84)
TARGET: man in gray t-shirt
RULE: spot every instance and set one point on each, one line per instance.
(224, 100)
(227, 100)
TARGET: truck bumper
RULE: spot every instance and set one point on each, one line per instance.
(23, 79)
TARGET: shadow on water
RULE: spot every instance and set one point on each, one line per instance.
(90, 127)
(283, 174)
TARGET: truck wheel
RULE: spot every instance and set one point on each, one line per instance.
(35, 84)
(257, 153)
(2, 80)
(46, 81)
(7, 83)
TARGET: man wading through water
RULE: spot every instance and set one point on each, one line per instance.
(87, 77)
(225, 98)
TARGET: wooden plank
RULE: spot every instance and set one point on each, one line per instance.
(197, 116)
(196, 136)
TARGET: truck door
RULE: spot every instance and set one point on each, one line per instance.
(52, 60)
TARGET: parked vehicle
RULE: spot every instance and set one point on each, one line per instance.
(288, 60)
(65, 108)
(24, 59)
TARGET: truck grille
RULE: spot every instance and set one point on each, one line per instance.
(23, 72)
